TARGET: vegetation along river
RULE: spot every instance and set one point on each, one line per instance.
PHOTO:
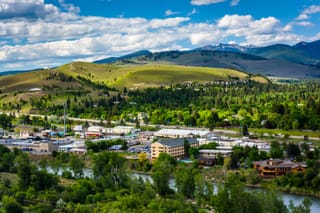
(297, 199)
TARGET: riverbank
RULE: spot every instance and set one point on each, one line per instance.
(218, 174)
(265, 184)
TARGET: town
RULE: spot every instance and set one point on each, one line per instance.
(209, 145)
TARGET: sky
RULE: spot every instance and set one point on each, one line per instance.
(48, 33)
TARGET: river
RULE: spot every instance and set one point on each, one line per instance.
(286, 197)
(297, 199)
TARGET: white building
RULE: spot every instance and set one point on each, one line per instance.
(181, 133)
(76, 147)
(78, 128)
(99, 129)
(120, 130)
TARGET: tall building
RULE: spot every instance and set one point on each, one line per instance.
(173, 147)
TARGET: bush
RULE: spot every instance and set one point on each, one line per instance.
(11, 205)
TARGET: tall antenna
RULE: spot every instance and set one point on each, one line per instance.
(64, 119)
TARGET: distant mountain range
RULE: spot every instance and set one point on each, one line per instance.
(300, 61)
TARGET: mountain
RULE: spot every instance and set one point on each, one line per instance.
(14, 72)
(234, 60)
(128, 56)
(285, 52)
(302, 53)
(224, 48)
(299, 61)
(311, 48)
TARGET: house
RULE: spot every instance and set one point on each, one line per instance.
(173, 147)
(276, 167)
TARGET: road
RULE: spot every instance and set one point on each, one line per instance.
(221, 131)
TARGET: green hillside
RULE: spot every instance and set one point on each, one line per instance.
(101, 80)
(158, 75)
(148, 75)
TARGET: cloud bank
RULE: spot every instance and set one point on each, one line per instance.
(34, 34)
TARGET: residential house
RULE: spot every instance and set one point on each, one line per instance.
(276, 167)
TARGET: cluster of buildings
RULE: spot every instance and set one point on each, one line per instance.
(170, 141)
(100, 131)
(174, 146)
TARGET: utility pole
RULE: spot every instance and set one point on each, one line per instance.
(64, 119)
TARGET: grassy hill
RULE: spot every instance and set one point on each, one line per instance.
(96, 80)
(148, 75)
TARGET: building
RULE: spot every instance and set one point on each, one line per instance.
(94, 131)
(173, 147)
(276, 167)
(181, 133)
(42, 146)
(1, 132)
(209, 157)
(121, 130)
(75, 147)
(213, 153)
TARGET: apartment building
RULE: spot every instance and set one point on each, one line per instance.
(173, 147)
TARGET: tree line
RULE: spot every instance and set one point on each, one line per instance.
(113, 189)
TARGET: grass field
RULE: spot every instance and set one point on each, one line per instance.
(156, 75)
(119, 76)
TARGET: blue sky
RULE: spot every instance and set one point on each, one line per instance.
(46, 33)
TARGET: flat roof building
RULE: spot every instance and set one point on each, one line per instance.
(181, 133)
(173, 147)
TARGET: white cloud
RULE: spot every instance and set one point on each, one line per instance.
(194, 11)
(205, 2)
(26, 9)
(170, 13)
(234, 2)
(290, 26)
(234, 21)
(259, 32)
(170, 22)
(65, 36)
(305, 14)
(201, 38)
(69, 7)
(244, 25)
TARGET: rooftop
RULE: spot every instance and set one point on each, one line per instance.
(177, 142)
(278, 163)
(185, 132)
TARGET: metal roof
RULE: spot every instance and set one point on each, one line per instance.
(177, 141)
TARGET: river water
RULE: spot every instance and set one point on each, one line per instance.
(297, 199)
(286, 197)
